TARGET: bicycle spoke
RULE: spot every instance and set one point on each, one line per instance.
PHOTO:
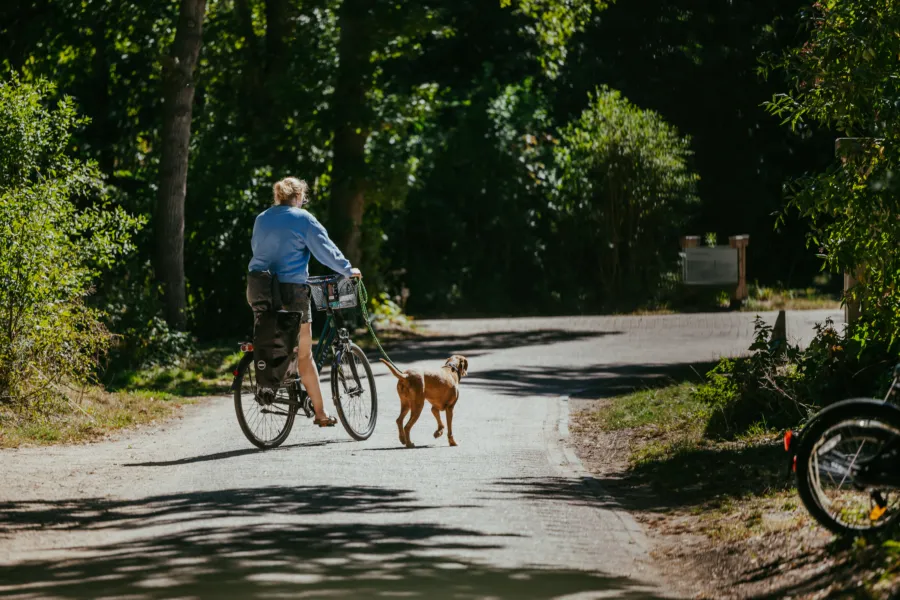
(852, 463)
(355, 394)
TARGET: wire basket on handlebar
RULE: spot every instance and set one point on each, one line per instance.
(334, 292)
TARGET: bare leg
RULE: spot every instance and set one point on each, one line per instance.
(308, 373)
(450, 425)
(437, 416)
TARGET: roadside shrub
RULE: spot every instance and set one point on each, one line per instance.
(142, 338)
(782, 385)
(625, 190)
(51, 250)
(387, 313)
(844, 78)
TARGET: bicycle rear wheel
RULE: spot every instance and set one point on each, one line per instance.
(266, 424)
(353, 390)
(834, 468)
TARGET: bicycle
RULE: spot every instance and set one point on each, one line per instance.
(267, 423)
(847, 464)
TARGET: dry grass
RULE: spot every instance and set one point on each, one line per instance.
(84, 418)
(725, 514)
(762, 298)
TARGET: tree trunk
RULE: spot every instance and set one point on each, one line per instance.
(102, 126)
(278, 29)
(351, 126)
(178, 94)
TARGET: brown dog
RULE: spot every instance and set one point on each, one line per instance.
(441, 388)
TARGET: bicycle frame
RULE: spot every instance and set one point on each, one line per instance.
(792, 437)
(326, 339)
(332, 336)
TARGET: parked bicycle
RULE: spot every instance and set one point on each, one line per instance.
(267, 422)
(847, 464)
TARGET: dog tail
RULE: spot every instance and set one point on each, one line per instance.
(393, 369)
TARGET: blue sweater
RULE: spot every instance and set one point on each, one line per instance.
(283, 237)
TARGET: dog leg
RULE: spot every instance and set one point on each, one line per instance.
(417, 405)
(437, 416)
(450, 426)
(404, 408)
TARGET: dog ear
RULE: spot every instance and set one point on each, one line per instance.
(463, 366)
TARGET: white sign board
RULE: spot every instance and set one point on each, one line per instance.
(710, 266)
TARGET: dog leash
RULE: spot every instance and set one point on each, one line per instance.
(364, 302)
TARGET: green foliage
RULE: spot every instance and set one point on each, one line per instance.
(698, 68)
(199, 372)
(574, 218)
(555, 21)
(845, 78)
(667, 408)
(781, 385)
(626, 189)
(51, 249)
(466, 105)
(386, 312)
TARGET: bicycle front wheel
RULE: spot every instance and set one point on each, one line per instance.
(266, 424)
(353, 390)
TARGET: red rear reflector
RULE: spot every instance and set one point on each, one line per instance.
(794, 466)
(235, 372)
(788, 437)
(246, 347)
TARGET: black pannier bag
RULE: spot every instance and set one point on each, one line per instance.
(275, 332)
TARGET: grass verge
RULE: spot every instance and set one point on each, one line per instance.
(84, 417)
(134, 397)
(725, 510)
(760, 299)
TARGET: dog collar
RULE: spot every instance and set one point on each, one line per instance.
(452, 367)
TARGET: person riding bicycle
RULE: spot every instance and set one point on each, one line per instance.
(284, 236)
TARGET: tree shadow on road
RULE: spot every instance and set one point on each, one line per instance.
(784, 573)
(104, 514)
(197, 548)
(443, 346)
(231, 454)
(597, 381)
(687, 480)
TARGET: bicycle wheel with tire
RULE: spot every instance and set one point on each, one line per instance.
(353, 390)
(266, 425)
(835, 450)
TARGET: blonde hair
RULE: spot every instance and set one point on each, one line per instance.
(290, 191)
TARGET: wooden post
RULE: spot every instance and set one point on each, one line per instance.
(690, 241)
(740, 243)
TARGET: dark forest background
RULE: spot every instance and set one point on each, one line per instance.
(487, 157)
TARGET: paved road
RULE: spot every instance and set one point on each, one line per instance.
(190, 510)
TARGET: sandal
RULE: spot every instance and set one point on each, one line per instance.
(327, 422)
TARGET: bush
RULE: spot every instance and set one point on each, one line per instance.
(142, 338)
(625, 191)
(51, 250)
(844, 78)
(782, 385)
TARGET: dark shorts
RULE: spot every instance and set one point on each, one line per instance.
(296, 297)
(265, 293)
